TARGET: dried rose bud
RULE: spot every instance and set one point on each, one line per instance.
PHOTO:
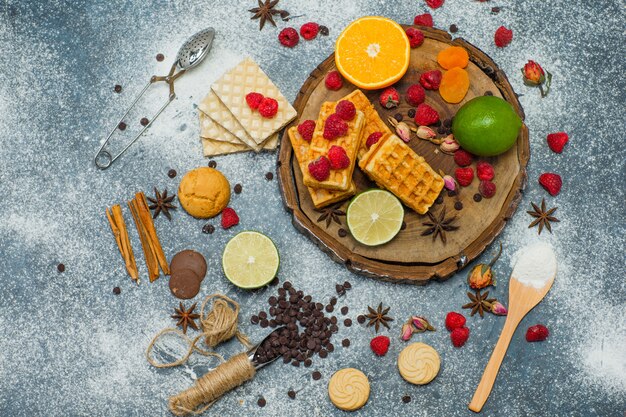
(425, 132)
(407, 331)
(421, 324)
(533, 73)
(403, 131)
(449, 144)
(498, 309)
(481, 275)
(449, 182)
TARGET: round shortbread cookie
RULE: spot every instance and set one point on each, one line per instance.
(418, 363)
(349, 389)
(204, 192)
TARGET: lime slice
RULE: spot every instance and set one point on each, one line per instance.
(374, 217)
(250, 260)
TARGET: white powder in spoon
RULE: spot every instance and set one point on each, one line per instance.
(535, 265)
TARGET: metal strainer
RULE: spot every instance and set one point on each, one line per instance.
(190, 54)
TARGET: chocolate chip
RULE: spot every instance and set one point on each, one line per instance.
(261, 402)
(274, 282)
(347, 322)
(254, 320)
(488, 93)
(345, 342)
(144, 121)
(398, 117)
(265, 323)
(406, 399)
(171, 173)
(495, 10)
(447, 122)
(117, 88)
(117, 291)
(269, 176)
(208, 229)
(340, 289)
(441, 130)
(308, 362)
(451, 193)
(291, 394)
(316, 375)
(403, 225)
(411, 113)
(212, 164)
(360, 318)
(477, 197)
(121, 126)
(344, 310)
(454, 28)
(342, 232)
(324, 30)
(61, 268)
(347, 285)
(458, 205)
(238, 188)
(262, 315)
(160, 57)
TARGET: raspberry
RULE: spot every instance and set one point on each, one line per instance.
(416, 37)
(268, 107)
(380, 345)
(434, 4)
(454, 321)
(423, 20)
(487, 189)
(306, 129)
(459, 336)
(430, 80)
(288, 37)
(254, 99)
(463, 158)
(503, 37)
(333, 80)
(464, 176)
(229, 218)
(551, 182)
(537, 333)
(557, 141)
(320, 168)
(345, 109)
(334, 127)
(484, 171)
(425, 115)
(389, 98)
(415, 95)
(309, 30)
(373, 138)
(338, 157)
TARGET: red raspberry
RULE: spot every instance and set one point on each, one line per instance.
(454, 321)
(484, 171)
(345, 109)
(415, 95)
(503, 37)
(425, 115)
(380, 345)
(463, 158)
(434, 4)
(537, 333)
(430, 80)
(320, 168)
(459, 336)
(229, 218)
(464, 176)
(333, 80)
(557, 141)
(268, 108)
(373, 138)
(309, 30)
(338, 157)
(288, 37)
(306, 129)
(487, 189)
(254, 99)
(551, 182)
(334, 127)
(416, 37)
(423, 20)
(389, 98)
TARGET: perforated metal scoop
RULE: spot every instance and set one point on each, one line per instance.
(190, 54)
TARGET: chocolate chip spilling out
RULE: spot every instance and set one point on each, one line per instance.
(324, 30)
(61, 268)
(160, 57)
(360, 318)
(316, 375)
(342, 232)
(171, 173)
(269, 176)
(458, 205)
(344, 310)
(454, 28)
(291, 394)
(477, 197)
(117, 291)
(406, 399)
(411, 113)
(208, 229)
(403, 225)
(144, 121)
(238, 188)
(212, 164)
(345, 343)
(121, 126)
(117, 88)
(261, 402)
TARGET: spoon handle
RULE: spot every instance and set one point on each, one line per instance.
(493, 366)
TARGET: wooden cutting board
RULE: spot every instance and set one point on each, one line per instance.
(410, 257)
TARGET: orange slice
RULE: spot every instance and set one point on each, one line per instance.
(372, 52)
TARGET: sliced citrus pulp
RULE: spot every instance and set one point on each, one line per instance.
(374, 217)
(250, 260)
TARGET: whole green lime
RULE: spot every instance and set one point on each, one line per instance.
(486, 126)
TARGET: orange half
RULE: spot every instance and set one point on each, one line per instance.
(372, 52)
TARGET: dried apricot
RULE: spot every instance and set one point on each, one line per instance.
(454, 85)
(453, 56)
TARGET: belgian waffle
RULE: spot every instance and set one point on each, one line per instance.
(396, 167)
(339, 179)
(320, 196)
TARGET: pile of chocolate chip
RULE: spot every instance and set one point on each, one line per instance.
(307, 330)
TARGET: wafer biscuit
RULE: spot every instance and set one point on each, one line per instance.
(248, 77)
(319, 146)
(395, 166)
(212, 147)
(320, 196)
(211, 130)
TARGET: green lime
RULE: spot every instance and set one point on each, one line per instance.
(250, 260)
(486, 126)
(374, 217)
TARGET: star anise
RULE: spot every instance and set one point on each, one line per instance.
(542, 217)
(266, 11)
(378, 317)
(439, 225)
(479, 303)
(186, 317)
(161, 203)
(331, 214)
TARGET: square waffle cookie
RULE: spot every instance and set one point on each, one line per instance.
(211, 130)
(339, 179)
(320, 196)
(211, 147)
(396, 167)
(247, 77)
(216, 110)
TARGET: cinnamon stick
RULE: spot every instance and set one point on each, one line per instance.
(146, 219)
(118, 226)
(148, 250)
